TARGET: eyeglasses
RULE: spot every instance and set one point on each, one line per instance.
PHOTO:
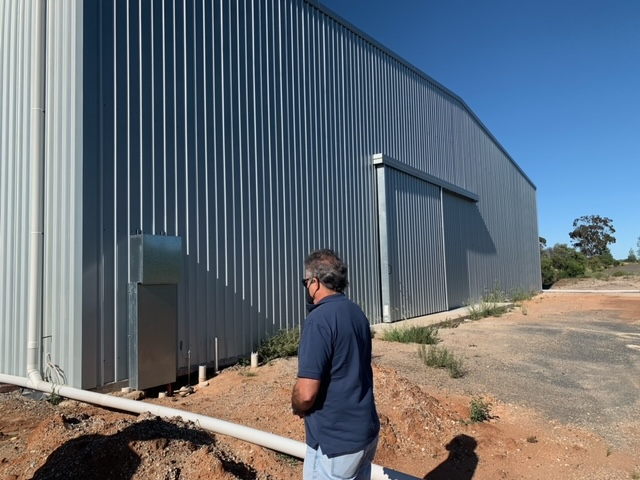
(305, 281)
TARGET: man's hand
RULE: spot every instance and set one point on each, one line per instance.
(304, 395)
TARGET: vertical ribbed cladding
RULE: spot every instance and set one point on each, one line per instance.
(506, 216)
(233, 125)
(60, 329)
(62, 285)
(453, 146)
(248, 128)
(15, 111)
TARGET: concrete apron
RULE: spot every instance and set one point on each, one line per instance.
(426, 320)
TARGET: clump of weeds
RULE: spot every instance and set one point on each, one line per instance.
(486, 309)
(283, 344)
(479, 410)
(424, 335)
(436, 357)
(492, 303)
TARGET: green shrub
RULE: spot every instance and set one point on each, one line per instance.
(283, 344)
(572, 269)
(562, 261)
(567, 262)
(549, 275)
(54, 398)
(598, 275)
(426, 335)
(595, 264)
(497, 295)
(601, 262)
(449, 323)
(519, 294)
(490, 303)
(442, 358)
(515, 294)
(620, 273)
(607, 259)
(479, 410)
(486, 309)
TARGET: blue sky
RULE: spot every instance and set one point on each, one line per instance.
(556, 82)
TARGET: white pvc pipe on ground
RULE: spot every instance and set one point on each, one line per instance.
(248, 434)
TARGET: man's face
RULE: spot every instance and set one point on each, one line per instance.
(309, 282)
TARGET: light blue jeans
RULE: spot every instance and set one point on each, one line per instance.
(353, 466)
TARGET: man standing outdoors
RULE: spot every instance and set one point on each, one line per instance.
(334, 390)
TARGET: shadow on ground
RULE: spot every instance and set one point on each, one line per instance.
(111, 456)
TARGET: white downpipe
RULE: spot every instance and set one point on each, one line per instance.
(248, 434)
(36, 190)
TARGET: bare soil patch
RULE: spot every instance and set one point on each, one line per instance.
(424, 414)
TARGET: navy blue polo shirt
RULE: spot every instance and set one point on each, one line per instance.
(335, 348)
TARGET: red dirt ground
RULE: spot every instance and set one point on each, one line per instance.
(425, 426)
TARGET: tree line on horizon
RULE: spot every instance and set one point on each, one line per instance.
(589, 251)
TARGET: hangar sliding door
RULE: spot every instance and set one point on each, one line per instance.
(459, 215)
(412, 260)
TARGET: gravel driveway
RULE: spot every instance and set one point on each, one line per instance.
(575, 360)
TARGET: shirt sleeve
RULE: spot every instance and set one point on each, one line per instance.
(314, 353)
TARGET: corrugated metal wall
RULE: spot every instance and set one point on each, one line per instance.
(62, 288)
(15, 111)
(248, 128)
(63, 151)
(237, 126)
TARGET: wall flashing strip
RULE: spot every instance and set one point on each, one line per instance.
(382, 159)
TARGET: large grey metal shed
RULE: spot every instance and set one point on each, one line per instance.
(251, 132)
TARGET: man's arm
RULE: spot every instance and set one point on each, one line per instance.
(304, 395)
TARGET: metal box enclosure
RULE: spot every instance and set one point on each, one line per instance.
(156, 266)
(152, 336)
(156, 259)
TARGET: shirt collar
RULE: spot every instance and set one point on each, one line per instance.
(330, 298)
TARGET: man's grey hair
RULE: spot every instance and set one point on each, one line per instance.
(328, 267)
